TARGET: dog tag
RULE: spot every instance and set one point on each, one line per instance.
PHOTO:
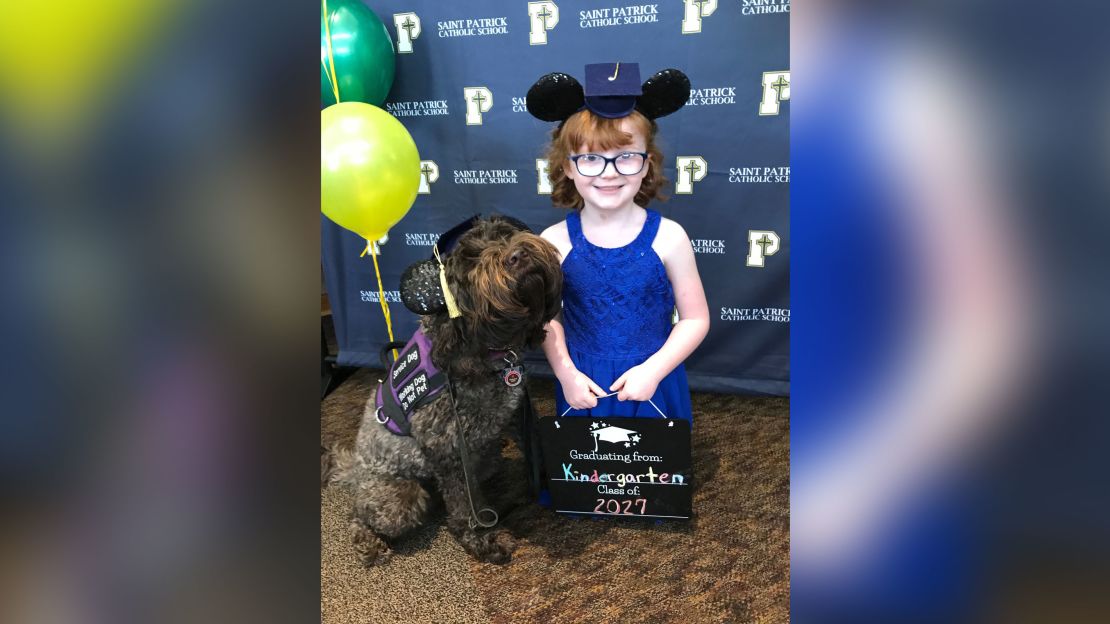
(512, 376)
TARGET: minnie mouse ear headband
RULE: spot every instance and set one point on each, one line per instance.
(613, 90)
(424, 288)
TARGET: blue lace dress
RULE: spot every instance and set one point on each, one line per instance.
(617, 308)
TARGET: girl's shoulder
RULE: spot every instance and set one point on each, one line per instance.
(670, 236)
(559, 236)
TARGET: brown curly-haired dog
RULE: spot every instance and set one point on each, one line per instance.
(508, 285)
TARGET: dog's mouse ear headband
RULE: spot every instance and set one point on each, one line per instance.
(424, 288)
(612, 90)
(421, 289)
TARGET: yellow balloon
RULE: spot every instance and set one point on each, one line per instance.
(369, 168)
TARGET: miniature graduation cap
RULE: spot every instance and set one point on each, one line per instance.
(611, 434)
(612, 90)
(447, 241)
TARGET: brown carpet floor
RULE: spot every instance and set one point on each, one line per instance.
(729, 564)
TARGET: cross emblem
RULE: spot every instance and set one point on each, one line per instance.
(408, 25)
(427, 171)
(543, 15)
(764, 243)
(779, 85)
(701, 6)
(478, 99)
(692, 168)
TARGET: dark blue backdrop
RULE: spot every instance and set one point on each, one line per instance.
(463, 70)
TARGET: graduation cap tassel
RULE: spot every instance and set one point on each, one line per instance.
(448, 297)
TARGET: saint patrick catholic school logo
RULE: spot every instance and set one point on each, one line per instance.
(693, 11)
(761, 244)
(542, 17)
(478, 100)
(372, 296)
(690, 169)
(429, 173)
(776, 88)
(408, 30)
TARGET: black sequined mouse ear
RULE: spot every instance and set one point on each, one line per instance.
(664, 93)
(420, 288)
(555, 97)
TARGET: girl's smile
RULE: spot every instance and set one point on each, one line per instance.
(609, 190)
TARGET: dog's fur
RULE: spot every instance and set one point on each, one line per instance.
(508, 284)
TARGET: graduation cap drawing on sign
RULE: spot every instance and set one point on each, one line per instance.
(601, 431)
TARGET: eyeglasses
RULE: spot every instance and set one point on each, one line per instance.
(626, 163)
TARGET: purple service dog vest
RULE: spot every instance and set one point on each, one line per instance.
(413, 381)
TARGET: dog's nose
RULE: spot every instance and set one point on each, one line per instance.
(515, 257)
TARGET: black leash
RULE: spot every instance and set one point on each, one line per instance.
(468, 477)
(530, 444)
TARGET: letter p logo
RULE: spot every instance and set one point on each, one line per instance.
(478, 100)
(408, 29)
(690, 169)
(543, 183)
(693, 11)
(542, 17)
(761, 243)
(429, 173)
(776, 88)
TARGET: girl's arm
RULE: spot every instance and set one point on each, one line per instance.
(639, 382)
(579, 390)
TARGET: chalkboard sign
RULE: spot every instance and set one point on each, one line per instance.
(629, 467)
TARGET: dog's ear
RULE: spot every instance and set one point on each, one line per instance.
(541, 281)
(420, 289)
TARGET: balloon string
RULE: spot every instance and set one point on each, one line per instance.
(381, 293)
(327, 75)
(331, 60)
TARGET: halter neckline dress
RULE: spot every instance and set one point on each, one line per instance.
(617, 311)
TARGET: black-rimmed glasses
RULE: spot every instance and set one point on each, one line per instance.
(626, 163)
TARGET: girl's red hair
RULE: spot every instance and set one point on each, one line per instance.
(601, 134)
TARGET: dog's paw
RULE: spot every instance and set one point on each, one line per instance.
(492, 547)
(370, 548)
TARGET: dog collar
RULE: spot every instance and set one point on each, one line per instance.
(513, 372)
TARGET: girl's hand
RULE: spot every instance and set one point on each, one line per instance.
(636, 384)
(580, 391)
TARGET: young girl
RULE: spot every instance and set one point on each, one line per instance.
(614, 349)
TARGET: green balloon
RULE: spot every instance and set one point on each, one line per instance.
(362, 51)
